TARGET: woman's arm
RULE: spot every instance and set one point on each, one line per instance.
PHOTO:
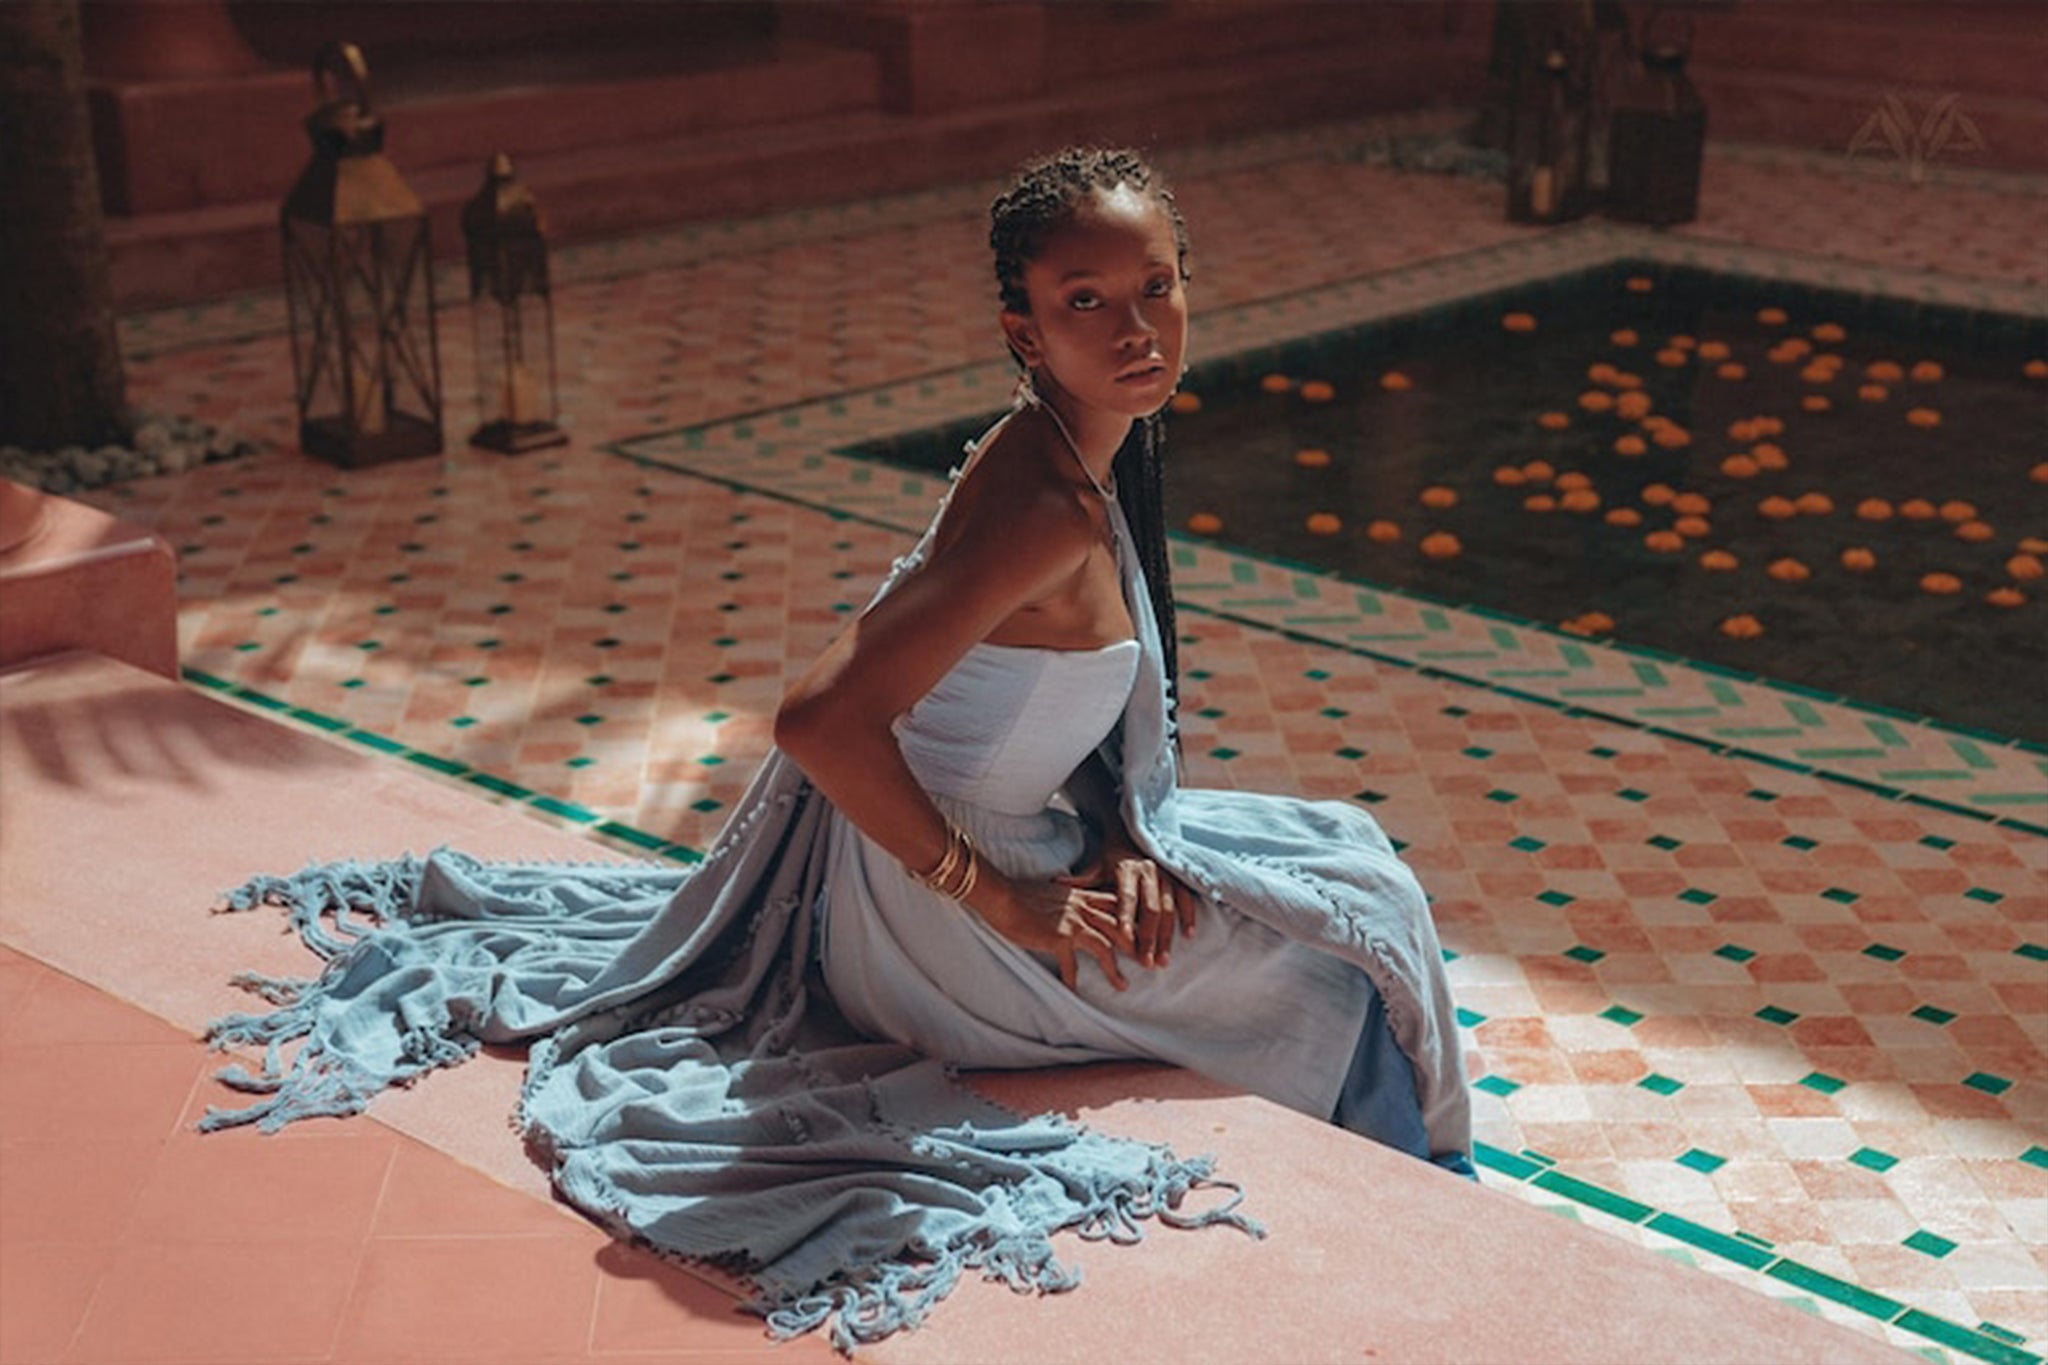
(1016, 545)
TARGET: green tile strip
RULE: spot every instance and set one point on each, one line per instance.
(1986, 1343)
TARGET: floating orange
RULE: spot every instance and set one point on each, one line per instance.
(1519, 322)
(1580, 500)
(1923, 417)
(1573, 478)
(1717, 561)
(1553, 421)
(1507, 476)
(1856, 559)
(2005, 597)
(1640, 284)
(1788, 570)
(1926, 371)
(1771, 317)
(1441, 545)
(1955, 509)
(1671, 357)
(1976, 532)
(1383, 532)
(1731, 370)
(1185, 403)
(1665, 542)
(1681, 342)
(1743, 627)
(1692, 528)
(1624, 516)
(1814, 504)
(1635, 445)
(1873, 393)
(1691, 505)
(1940, 584)
(1624, 336)
(1829, 332)
(1205, 523)
(2039, 473)
(1600, 372)
(1312, 458)
(1324, 524)
(1818, 373)
(1395, 382)
(1917, 509)
(1777, 508)
(1740, 467)
(1626, 380)
(1596, 400)
(1317, 391)
(1713, 350)
(1816, 402)
(1657, 494)
(1769, 426)
(1634, 405)
(1589, 623)
(1745, 430)
(1671, 437)
(1539, 502)
(1538, 471)
(1885, 371)
(1874, 509)
(1438, 496)
(2035, 369)
(2025, 567)
(1276, 383)
(2034, 545)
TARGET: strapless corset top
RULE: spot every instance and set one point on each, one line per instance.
(1009, 723)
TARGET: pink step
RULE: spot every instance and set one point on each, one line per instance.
(115, 853)
(80, 578)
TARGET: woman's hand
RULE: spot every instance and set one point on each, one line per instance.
(1063, 920)
(1151, 902)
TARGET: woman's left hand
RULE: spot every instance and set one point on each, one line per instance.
(1151, 901)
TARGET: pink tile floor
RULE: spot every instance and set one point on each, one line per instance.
(615, 637)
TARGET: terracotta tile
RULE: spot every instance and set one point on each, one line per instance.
(46, 1287)
(116, 1090)
(187, 1301)
(471, 1299)
(80, 1192)
(204, 1191)
(644, 1304)
(429, 1194)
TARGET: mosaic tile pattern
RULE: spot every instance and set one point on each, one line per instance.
(1752, 1015)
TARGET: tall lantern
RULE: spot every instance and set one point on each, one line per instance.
(512, 313)
(1659, 136)
(360, 285)
(1547, 148)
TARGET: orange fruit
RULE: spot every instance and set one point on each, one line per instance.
(1874, 509)
(1572, 478)
(1635, 445)
(1771, 317)
(1538, 471)
(2025, 567)
(1856, 559)
(1624, 516)
(1312, 458)
(1657, 494)
(1817, 373)
(1717, 561)
(1664, 542)
(1731, 370)
(2039, 473)
(1625, 380)
(1769, 456)
(1692, 528)
(1976, 532)
(1317, 391)
(1873, 393)
(1383, 532)
(1830, 332)
(2035, 369)
(1393, 381)
(1671, 357)
(1777, 508)
(1633, 405)
(1441, 545)
(1884, 371)
(1955, 509)
(1769, 426)
(2005, 597)
(1539, 502)
(1625, 336)
(1579, 500)
(1276, 383)
(1926, 371)
(1691, 505)
(1600, 372)
(1742, 627)
(1672, 437)
(1205, 523)
(1640, 284)
(1788, 570)
(1324, 524)
(1814, 504)
(1553, 421)
(1815, 402)
(1941, 584)
(1519, 322)
(1713, 350)
(1438, 496)
(1923, 417)
(1596, 400)
(1681, 342)
(1740, 467)
(1507, 476)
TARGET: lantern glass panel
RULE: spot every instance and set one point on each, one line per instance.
(515, 363)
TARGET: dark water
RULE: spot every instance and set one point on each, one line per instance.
(1876, 637)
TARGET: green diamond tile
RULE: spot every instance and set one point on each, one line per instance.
(1631, 794)
(1734, 952)
(1477, 752)
(719, 679)
(1821, 1081)
(599, 680)
(2033, 952)
(2036, 1156)
(1454, 712)
(580, 761)
(353, 683)
(1840, 895)
(706, 805)
(1470, 1018)
(1771, 1014)
(1316, 675)
(1504, 797)
(476, 682)
(1978, 893)
(1622, 1015)
(1704, 1162)
(1988, 1083)
(1527, 845)
(367, 645)
(1351, 754)
(1931, 1244)
(1555, 898)
(1225, 754)
(1602, 751)
(1665, 842)
(1333, 713)
(463, 722)
(1936, 841)
(1581, 953)
(1212, 713)
(1934, 1014)
(247, 647)
(1496, 1085)
(714, 717)
(1693, 895)
(1761, 794)
(1660, 1083)
(1800, 842)
(1872, 1159)
(590, 719)
(1884, 952)
(1370, 797)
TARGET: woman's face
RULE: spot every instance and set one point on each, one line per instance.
(1109, 318)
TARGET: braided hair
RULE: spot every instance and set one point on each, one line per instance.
(1042, 199)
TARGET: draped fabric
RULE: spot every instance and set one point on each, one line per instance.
(693, 1085)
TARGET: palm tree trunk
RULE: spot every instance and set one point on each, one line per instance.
(60, 363)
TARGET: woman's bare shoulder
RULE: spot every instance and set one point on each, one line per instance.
(1018, 498)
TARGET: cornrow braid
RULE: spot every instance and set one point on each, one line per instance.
(1040, 200)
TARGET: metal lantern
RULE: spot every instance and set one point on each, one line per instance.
(512, 313)
(359, 284)
(1547, 148)
(1658, 137)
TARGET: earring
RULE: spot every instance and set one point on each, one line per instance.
(1026, 392)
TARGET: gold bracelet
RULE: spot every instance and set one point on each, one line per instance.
(948, 862)
(958, 871)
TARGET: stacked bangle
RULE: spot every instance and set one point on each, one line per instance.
(957, 871)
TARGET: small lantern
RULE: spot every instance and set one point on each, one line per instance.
(513, 315)
(359, 284)
(1547, 148)
(1659, 135)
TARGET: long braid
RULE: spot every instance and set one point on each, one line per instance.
(1039, 201)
